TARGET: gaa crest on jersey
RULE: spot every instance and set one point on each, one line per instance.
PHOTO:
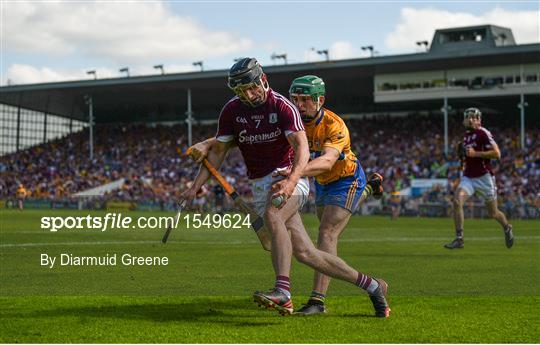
(272, 117)
(241, 119)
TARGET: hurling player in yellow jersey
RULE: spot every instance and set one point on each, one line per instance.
(339, 180)
(21, 194)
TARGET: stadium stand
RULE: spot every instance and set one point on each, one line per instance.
(147, 157)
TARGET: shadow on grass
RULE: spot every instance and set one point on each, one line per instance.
(238, 312)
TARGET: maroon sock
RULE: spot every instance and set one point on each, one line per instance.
(363, 281)
(283, 283)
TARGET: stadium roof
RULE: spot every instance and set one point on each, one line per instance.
(164, 97)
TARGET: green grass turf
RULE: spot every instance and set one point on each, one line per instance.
(482, 293)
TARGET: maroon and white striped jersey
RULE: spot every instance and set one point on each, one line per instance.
(480, 140)
(260, 132)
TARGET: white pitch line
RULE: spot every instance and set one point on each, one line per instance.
(6, 245)
(348, 229)
(347, 240)
(429, 239)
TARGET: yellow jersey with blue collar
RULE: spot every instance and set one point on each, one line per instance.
(21, 192)
(329, 130)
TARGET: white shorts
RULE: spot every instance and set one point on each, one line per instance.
(483, 185)
(261, 186)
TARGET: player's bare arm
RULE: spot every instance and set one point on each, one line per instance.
(285, 188)
(495, 153)
(216, 156)
(199, 151)
(319, 165)
(323, 163)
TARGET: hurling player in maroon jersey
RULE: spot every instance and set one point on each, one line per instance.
(268, 130)
(476, 151)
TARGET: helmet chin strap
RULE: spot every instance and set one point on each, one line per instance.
(308, 119)
(264, 84)
(469, 126)
(266, 87)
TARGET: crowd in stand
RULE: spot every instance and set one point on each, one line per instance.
(149, 159)
(412, 147)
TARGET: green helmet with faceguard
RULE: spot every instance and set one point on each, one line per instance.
(308, 85)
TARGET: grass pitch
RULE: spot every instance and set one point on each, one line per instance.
(482, 293)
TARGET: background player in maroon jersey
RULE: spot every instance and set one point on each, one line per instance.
(476, 151)
(268, 130)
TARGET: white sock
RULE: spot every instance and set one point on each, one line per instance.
(372, 286)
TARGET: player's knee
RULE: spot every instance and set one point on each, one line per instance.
(327, 236)
(304, 254)
(492, 213)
